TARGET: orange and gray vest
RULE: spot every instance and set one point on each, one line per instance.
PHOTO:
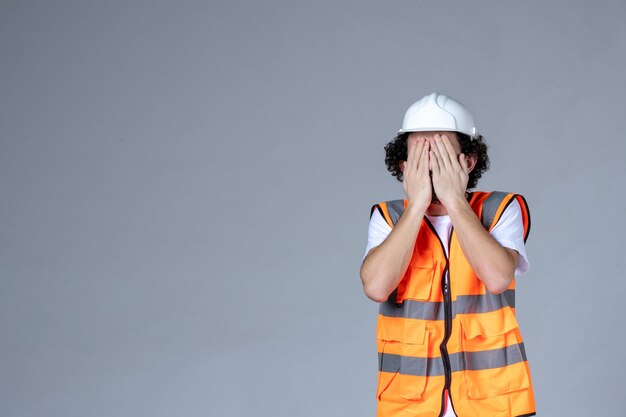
(440, 329)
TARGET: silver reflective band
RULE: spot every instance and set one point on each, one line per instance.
(433, 310)
(470, 361)
(490, 206)
(395, 209)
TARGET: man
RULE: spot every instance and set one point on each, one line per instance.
(441, 263)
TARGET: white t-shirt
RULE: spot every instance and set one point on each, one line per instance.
(509, 232)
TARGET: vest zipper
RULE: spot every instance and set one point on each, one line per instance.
(447, 307)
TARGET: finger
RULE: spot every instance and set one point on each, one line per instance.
(434, 163)
(451, 151)
(409, 155)
(444, 157)
(414, 156)
(423, 166)
(430, 160)
(430, 155)
(418, 154)
(437, 153)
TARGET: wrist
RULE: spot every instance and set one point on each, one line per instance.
(457, 203)
(416, 208)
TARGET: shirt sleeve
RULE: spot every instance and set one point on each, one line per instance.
(509, 232)
(377, 231)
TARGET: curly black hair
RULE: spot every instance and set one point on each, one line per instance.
(396, 151)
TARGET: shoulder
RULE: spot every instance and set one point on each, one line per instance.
(390, 210)
(494, 200)
(497, 204)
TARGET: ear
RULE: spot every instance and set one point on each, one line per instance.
(402, 164)
(470, 162)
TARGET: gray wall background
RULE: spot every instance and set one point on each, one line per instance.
(185, 193)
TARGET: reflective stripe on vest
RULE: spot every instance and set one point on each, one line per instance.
(484, 351)
(433, 310)
(473, 361)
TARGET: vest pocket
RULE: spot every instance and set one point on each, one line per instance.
(493, 356)
(399, 329)
(418, 279)
(413, 370)
(403, 351)
(388, 368)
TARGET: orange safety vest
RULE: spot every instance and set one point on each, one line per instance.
(441, 329)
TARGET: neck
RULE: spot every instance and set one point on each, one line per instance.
(438, 209)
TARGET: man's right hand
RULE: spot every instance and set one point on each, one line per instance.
(417, 182)
(385, 265)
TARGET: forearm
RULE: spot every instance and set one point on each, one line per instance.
(385, 265)
(493, 263)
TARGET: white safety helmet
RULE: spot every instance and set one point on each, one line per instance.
(438, 112)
